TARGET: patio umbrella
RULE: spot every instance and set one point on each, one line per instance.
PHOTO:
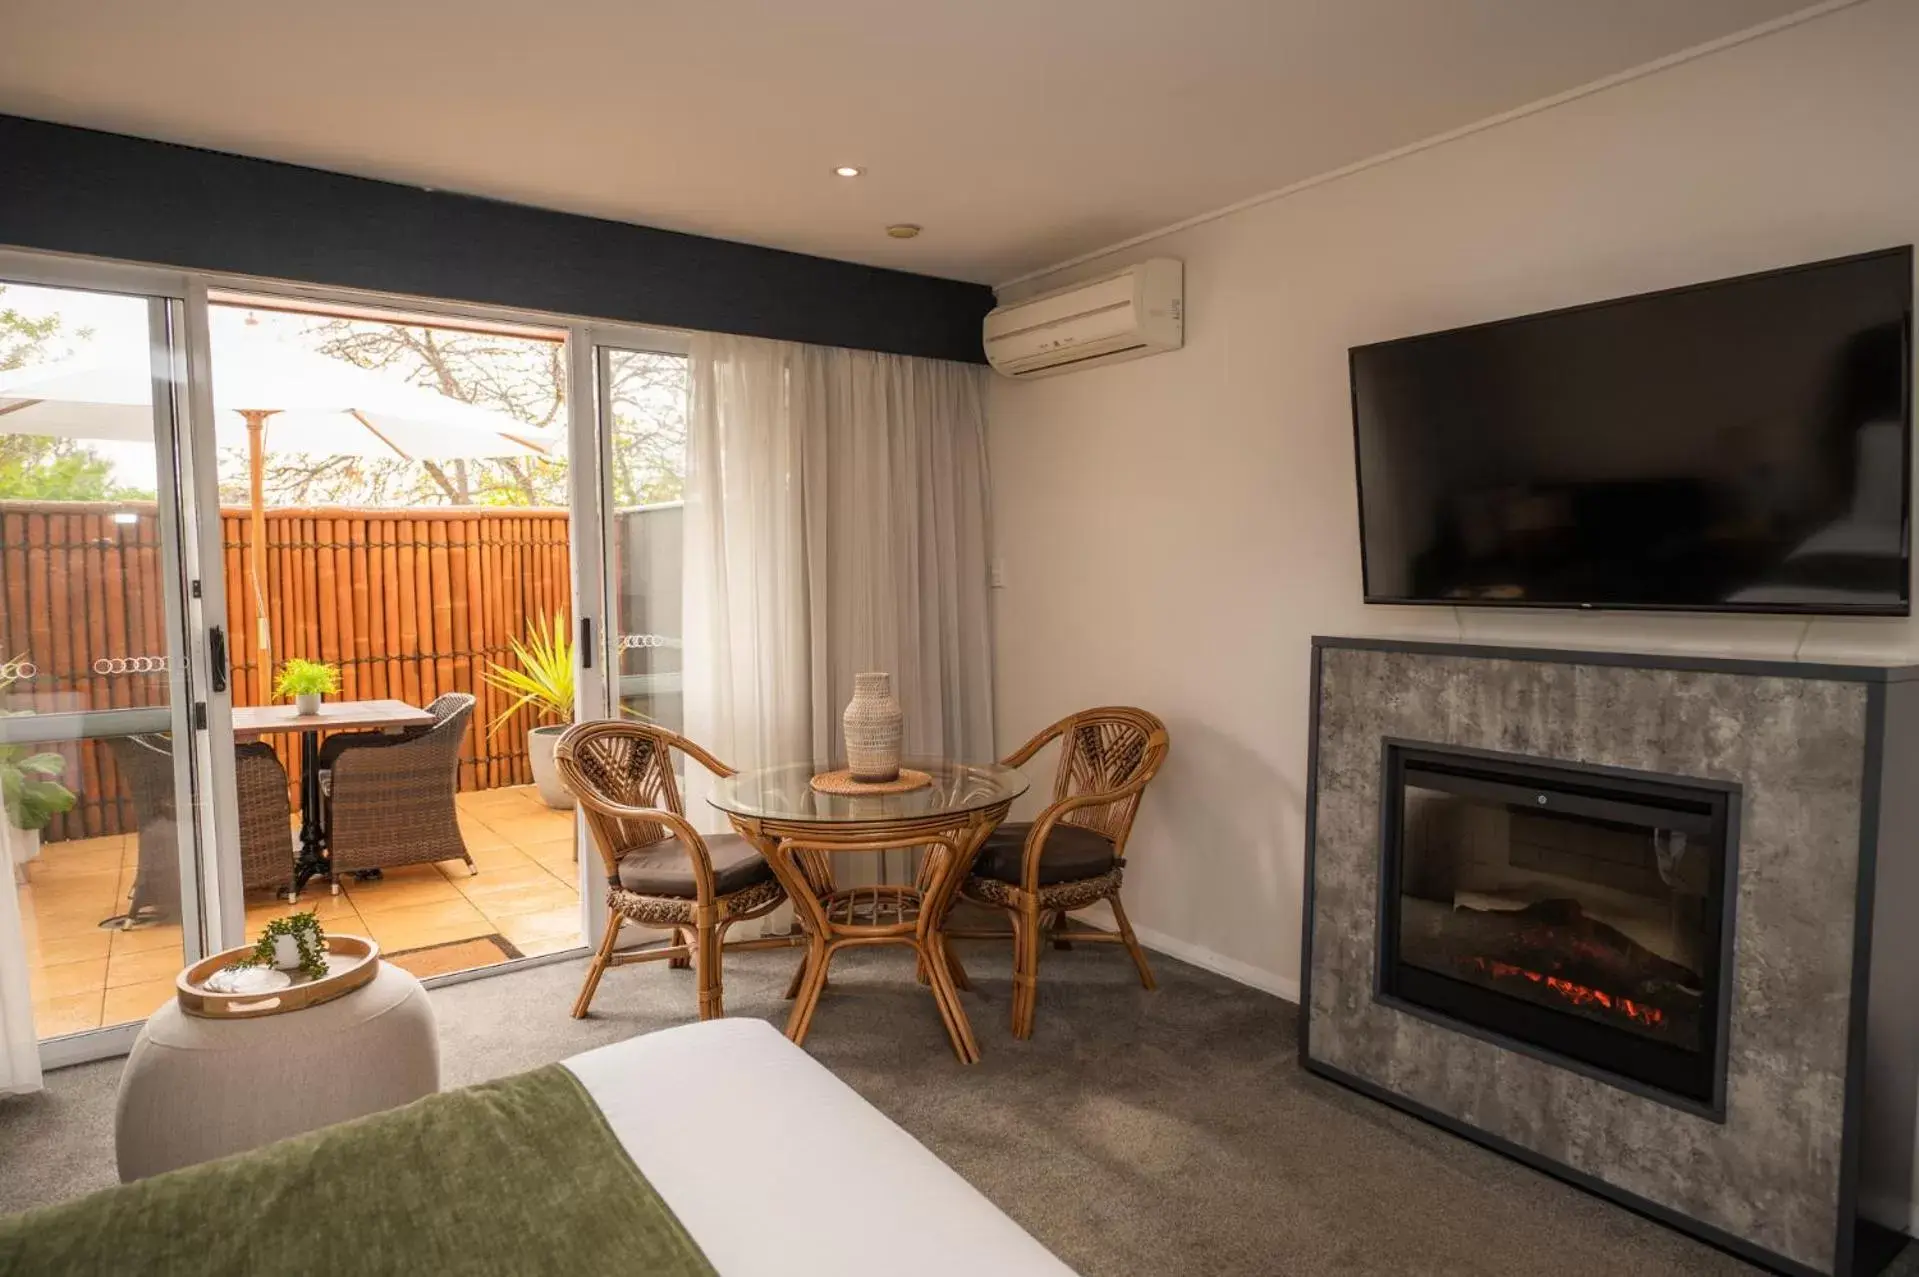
(307, 401)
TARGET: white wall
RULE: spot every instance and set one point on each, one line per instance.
(1173, 530)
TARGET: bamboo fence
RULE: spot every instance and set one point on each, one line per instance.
(409, 603)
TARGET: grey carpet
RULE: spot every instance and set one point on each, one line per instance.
(1137, 1133)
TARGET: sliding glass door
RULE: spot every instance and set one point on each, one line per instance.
(103, 728)
(642, 414)
(396, 507)
(200, 482)
(627, 540)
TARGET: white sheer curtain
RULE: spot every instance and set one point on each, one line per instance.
(835, 522)
(19, 1050)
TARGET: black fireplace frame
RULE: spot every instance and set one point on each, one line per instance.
(1395, 753)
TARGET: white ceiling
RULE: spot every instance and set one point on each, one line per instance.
(1019, 132)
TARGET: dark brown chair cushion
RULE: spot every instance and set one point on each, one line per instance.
(1071, 853)
(664, 869)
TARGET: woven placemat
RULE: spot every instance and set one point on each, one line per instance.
(842, 783)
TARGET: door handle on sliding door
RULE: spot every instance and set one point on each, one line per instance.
(586, 642)
(217, 656)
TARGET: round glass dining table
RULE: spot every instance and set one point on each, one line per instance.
(799, 830)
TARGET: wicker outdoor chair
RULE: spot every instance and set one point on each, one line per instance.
(389, 799)
(660, 871)
(1074, 855)
(266, 832)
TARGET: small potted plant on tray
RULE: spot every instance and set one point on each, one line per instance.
(305, 682)
(541, 676)
(296, 942)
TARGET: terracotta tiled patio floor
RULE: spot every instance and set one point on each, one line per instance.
(85, 977)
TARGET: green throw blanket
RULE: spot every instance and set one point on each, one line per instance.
(515, 1177)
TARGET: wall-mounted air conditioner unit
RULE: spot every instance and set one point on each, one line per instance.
(1129, 313)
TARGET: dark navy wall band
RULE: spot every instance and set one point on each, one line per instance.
(100, 194)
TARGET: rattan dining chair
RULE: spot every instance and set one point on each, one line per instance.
(660, 871)
(390, 799)
(266, 822)
(1074, 855)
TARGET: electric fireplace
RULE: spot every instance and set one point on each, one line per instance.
(1574, 912)
(1540, 885)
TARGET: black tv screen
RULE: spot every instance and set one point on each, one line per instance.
(1735, 446)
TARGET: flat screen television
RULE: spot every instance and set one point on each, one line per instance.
(1739, 446)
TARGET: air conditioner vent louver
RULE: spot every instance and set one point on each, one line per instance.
(1110, 356)
(1133, 312)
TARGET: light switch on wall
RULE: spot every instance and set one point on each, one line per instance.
(996, 574)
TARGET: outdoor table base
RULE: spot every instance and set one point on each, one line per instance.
(312, 862)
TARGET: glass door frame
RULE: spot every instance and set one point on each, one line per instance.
(212, 839)
(586, 468)
(200, 718)
(597, 676)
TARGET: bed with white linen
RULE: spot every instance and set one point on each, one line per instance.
(778, 1169)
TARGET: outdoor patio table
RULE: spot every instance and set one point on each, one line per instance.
(250, 721)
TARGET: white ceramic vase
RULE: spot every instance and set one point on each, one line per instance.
(306, 704)
(873, 727)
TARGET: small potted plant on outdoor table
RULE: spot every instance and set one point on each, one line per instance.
(305, 682)
(541, 677)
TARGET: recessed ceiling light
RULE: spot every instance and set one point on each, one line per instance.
(848, 170)
(903, 230)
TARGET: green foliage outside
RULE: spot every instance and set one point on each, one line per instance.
(36, 469)
(541, 676)
(30, 788)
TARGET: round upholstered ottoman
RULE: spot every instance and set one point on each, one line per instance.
(195, 1089)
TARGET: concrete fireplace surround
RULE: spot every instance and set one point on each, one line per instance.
(1819, 1113)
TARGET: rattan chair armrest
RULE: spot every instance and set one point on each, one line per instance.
(1036, 836)
(1024, 754)
(703, 758)
(689, 837)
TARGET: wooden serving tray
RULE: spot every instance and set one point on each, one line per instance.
(352, 961)
(842, 785)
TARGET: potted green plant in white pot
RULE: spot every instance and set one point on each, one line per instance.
(304, 682)
(31, 791)
(540, 678)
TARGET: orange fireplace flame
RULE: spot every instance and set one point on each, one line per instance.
(1577, 994)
